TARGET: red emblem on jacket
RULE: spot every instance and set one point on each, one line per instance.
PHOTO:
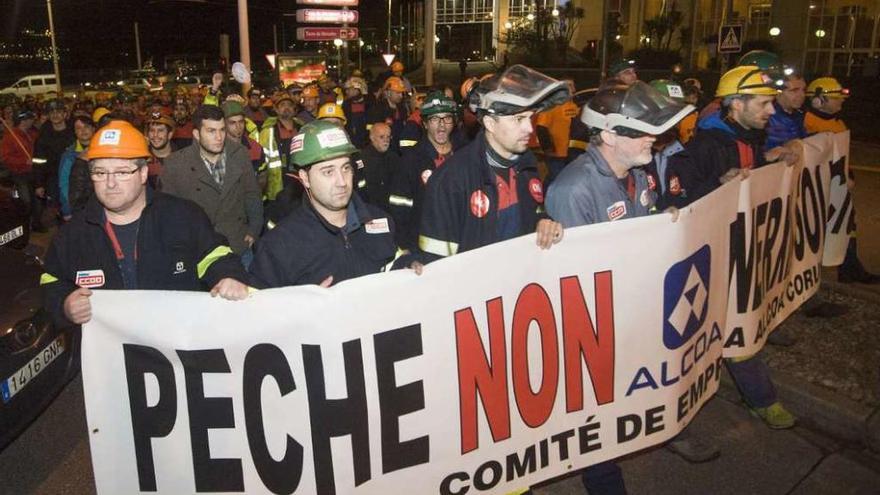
(536, 190)
(674, 185)
(479, 204)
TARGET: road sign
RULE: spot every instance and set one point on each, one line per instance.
(730, 38)
(329, 3)
(388, 57)
(327, 16)
(326, 33)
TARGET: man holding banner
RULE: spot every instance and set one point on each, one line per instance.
(727, 145)
(334, 235)
(131, 237)
(827, 96)
(607, 182)
(489, 191)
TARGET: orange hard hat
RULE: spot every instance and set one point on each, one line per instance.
(310, 91)
(466, 87)
(395, 84)
(118, 139)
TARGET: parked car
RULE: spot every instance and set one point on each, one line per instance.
(37, 360)
(32, 85)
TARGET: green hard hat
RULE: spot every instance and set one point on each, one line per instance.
(768, 62)
(621, 65)
(437, 102)
(318, 141)
(231, 108)
(668, 88)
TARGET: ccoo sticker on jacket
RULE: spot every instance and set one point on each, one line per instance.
(90, 279)
(378, 226)
(617, 210)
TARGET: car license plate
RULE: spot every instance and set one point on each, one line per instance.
(13, 385)
(11, 235)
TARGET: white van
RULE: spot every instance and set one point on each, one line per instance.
(31, 85)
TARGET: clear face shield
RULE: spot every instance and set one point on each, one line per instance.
(634, 111)
(520, 88)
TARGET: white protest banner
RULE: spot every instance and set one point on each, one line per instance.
(841, 217)
(776, 246)
(492, 371)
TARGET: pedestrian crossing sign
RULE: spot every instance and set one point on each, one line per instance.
(730, 38)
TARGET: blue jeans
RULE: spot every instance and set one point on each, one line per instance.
(752, 378)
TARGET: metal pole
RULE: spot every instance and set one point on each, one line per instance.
(343, 65)
(695, 4)
(430, 44)
(137, 45)
(388, 44)
(244, 41)
(54, 49)
(275, 36)
(603, 68)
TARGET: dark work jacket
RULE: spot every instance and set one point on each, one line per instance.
(394, 117)
(718, 146)
(305, 249)
(175, 243)
(373, 180)
(356, 124)
(408, 189)
(449, 224)
(48, 148)
(784, 127)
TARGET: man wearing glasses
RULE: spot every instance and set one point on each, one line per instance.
(438, 115)
(131, 237)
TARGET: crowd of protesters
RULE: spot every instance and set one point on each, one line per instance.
(323, 182)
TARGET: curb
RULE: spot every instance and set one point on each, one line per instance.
(820, 409)
(857, 291)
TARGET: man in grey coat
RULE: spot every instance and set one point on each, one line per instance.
(217, 175)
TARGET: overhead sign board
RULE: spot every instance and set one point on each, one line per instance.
(329, 3)
(730, 38)
(326, 16)
(326, 33)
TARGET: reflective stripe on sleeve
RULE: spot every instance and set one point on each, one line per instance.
(362, 183)
(38, 161)
(406, 143)
(577, 144)
(270, 225)
(400, 201)
(434, 246)
(47, 278)
(398, 254)
(210, 258)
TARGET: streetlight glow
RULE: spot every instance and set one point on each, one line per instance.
(555, 12)
(530, 17)
(775, 31)
(820, 33)
(337, 42)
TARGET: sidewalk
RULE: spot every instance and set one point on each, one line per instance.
(754, 460)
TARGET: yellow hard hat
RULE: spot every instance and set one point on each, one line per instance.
(98, 113)
(332, 110)
(828, 87)
(746, 80)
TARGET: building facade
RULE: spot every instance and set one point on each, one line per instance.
(839, 37)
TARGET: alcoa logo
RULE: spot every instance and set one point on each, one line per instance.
(686, 297)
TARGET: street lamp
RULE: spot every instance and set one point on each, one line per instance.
(775, 31)
(338, 44)
(820, 33)
(530, 17)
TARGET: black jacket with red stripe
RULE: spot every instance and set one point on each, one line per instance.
(460, 209)
(718, 146)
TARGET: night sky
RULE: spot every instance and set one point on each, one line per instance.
(99, 34)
